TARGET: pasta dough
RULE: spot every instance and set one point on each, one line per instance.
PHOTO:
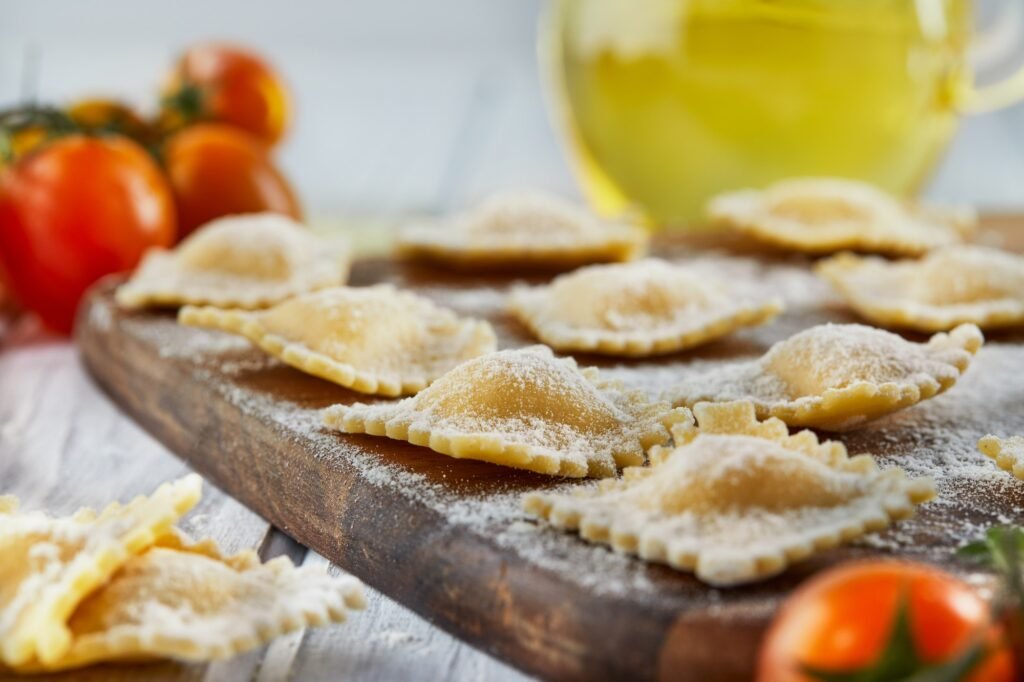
(195, 605)
(524, 409)
(837, 376)
(950, 286)
(244, 261)
(523, 229)
(375, 340)
(823, 215)
(1008, 453)
(736, 500)
(636, 309)
(48, 566)
(125, 584)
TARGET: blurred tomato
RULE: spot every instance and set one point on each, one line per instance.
(229, 84)
(21, 143)
(216, 170)
(26, 128)
(109, 116)
(884, 620)
(74, 211)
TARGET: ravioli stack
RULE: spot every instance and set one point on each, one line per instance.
(125, 584)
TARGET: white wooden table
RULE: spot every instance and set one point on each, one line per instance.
(403, 107)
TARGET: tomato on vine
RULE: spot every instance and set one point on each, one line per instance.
(878, 621)
(107, 116)
(228, 84)
(75, 209)
(217, 170)
(24, 129)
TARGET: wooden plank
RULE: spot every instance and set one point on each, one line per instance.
(446, 538)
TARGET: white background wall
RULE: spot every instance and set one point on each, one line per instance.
(402, 104)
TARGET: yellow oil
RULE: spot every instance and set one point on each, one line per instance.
(667, 102)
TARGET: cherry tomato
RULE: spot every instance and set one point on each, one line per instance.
(8, 308)
(74, 211)
(232, 85)
(23, 142)
(844, 619)
(26, 128)
(110, 116)
(217, 170)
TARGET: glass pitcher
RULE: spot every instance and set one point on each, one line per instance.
(664, 103)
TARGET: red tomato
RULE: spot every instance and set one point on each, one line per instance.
(74, 211)
(217, 170)
(22, 143)
(231, 85)
(110, 116)
(844, 618)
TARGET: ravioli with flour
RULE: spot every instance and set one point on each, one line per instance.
(736, 500)
(525, 229)
(194, 605)
(824, 215)
(837, 376)
(950, 286)
(242, 261)
(48, 566)
(377, 340)
(639, 309)
(125, 584)
(525, 409)
(1008, 453)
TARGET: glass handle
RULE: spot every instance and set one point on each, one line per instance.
(996, 45)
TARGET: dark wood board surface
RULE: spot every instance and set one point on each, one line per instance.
(446, 537)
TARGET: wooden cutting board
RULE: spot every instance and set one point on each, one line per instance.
(447, 538)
